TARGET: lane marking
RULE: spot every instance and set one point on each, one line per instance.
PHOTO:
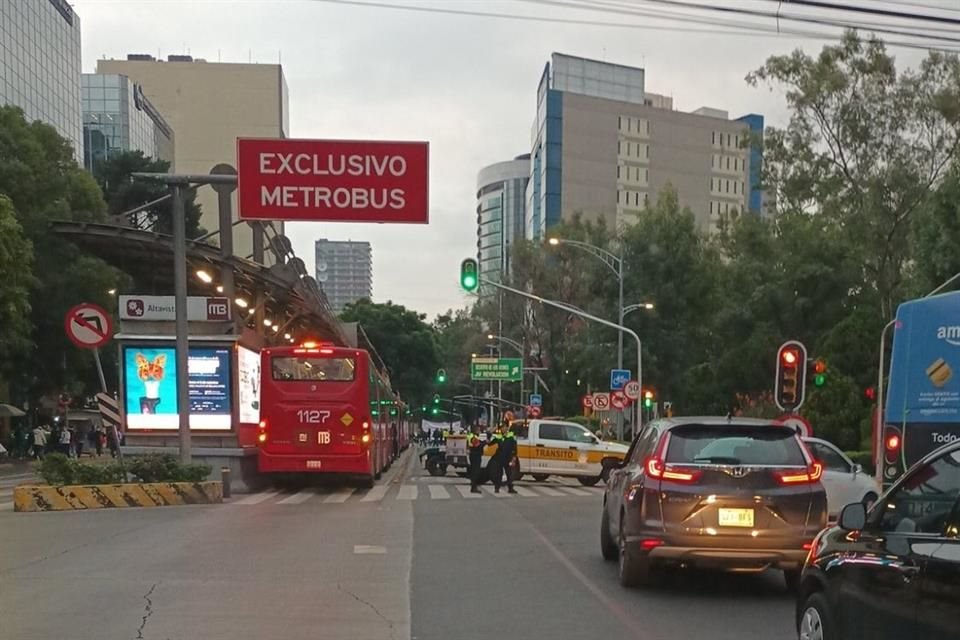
(299, 497)
(633, 625)
(547, 491)
(257, 498)
(407, 492)
(340, 496)
(369, 549)
(6, 506)
(437, 492)
(465, 492)
(575, 492)
(376, 494)
(526, 493)
(489, 490)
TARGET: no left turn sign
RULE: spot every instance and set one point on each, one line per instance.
(88, 326)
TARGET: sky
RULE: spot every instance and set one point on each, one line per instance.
(465, 83)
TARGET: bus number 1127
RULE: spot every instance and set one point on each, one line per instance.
(312, 416)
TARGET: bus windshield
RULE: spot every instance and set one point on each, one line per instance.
(313, 369)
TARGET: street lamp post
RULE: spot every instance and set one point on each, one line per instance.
(615, 263)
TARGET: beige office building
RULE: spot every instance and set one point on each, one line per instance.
(209, 105)
(603, 147)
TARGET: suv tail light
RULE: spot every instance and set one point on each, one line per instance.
(809, 476)
(657, 469)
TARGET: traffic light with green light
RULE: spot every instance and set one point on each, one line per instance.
(469, 275)
(819, 372)
(435, 411)
(441, 376)
(648, 399)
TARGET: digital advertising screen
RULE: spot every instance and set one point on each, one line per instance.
(248, 385)
(150, 388)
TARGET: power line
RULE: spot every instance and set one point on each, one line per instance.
(748, 30)
(886, 13)
(634, 10)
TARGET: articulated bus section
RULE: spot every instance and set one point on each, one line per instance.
(324, 409)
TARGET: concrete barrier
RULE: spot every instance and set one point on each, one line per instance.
(111, 496)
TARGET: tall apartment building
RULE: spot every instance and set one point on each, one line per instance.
(501, 193)
(118, 117)
(40, 64)
(344, 270)
(603, 147)
(209, 105)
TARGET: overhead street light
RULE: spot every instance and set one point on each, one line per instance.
(615, 263)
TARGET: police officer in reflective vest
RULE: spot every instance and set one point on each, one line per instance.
(506, 442)
(475, 448)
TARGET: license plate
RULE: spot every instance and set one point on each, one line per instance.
(323, 437)
(735, 517)
(313, 464)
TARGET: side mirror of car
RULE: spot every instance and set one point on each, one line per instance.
(853, 517)
(857, 468)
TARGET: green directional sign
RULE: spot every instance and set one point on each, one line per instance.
(505, 369)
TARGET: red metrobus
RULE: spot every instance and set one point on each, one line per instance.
(326, 409)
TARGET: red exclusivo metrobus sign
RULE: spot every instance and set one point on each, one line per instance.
(333, 180)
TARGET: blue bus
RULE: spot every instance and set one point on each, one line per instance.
(922, 409)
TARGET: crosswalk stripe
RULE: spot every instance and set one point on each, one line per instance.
(437, 492)
(6, 506)
(490, 491)
(407, 492)
(576, 492)
(339, 496)
(376, 494)
(526, 493)
(465, 492)
(547, 491)
(257, 498)
(298, 497)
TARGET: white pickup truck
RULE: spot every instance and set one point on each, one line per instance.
(555, 448)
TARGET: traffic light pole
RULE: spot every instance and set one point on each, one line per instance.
(583, 314)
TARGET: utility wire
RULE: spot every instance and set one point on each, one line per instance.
(633, 9)
(886, 13)
(752, 30)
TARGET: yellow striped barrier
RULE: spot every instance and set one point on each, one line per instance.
(112, 496)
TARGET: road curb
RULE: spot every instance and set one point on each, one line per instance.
(28, 498)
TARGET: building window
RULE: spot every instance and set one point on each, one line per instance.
(618, 172)
(619, 122)
(728, 140)
(713, 137)
(618, 196)
(628, 123)
(619, 147)
(648, 127)
(647, 147)
(711, 207)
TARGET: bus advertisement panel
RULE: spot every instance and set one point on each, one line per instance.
(150, 388)
(922, 409)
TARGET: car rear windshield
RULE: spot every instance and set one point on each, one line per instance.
(313, 369)
(734, 444)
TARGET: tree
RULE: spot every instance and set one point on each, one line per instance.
(41, 179)
(16, 260)
(405, 342)
(935, 236)
(864, 147)
(123, 193)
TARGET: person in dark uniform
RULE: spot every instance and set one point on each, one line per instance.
(506, 441)
(475, 449)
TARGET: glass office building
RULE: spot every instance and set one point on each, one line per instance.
(40, 64)
(117, 117)
(344, 269)
(501, 189)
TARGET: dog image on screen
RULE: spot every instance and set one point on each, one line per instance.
(150, 373)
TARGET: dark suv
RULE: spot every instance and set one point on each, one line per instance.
(730, 493)
(893, 573)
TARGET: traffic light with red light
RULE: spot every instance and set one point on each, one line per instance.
(892, 443)
(870, 393)
(791, 378)
(648, 399)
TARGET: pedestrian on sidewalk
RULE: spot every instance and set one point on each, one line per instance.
(101, 439)
(39, 442)
(77, 438)
(65, 442)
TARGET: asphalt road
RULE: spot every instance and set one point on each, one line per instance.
(415, 557)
